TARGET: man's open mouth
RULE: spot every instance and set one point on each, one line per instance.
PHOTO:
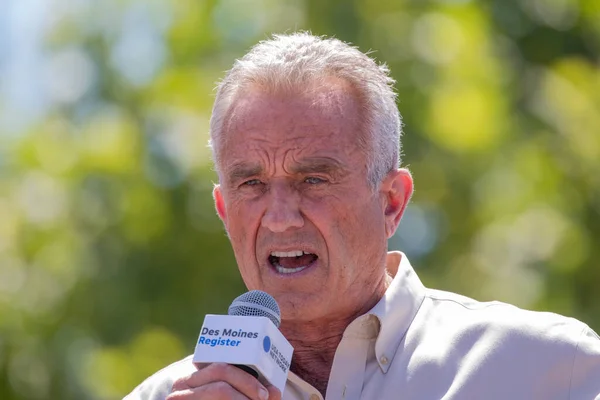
(289, 262)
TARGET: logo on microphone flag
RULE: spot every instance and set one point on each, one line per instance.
(267, 344)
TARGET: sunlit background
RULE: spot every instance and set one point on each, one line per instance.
(110, 251)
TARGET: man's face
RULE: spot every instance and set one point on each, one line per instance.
(304, 223)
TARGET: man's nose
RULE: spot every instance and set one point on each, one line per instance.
(283, 210)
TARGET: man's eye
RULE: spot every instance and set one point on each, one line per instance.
(252, 182)
(313, 180)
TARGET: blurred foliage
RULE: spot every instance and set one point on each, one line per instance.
(110, 251)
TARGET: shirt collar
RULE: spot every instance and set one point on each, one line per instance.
(389, 319)
(397, 308)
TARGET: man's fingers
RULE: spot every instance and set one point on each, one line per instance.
(274, 393)
(235, 378)
(211, 391)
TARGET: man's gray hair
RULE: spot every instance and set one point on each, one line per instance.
(294, 62)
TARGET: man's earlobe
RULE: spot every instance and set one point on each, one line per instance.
(398, 189)
(220, 204)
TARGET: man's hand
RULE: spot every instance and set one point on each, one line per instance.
(220, 381)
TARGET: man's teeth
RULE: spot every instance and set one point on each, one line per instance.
(276, 257)
(283, 270)
(280, 254)
(294, 253)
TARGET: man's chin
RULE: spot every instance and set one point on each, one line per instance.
(300, 307)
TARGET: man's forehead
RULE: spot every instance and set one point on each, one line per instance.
(252, 104)
(290, 129)
(263, 128)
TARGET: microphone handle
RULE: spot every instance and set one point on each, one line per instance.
(248, 369)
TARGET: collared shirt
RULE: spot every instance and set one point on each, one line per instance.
(424, 344)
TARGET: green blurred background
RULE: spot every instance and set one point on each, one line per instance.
(110, 250)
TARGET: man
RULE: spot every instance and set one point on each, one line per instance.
(305, 134)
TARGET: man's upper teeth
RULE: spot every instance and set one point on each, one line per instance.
(294, 253)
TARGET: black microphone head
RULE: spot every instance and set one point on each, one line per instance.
(258, 304)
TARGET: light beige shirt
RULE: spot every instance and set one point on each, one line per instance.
(424, 344)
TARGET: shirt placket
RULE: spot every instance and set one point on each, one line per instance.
(348, 370)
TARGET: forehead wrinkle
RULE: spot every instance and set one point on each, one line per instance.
(245, 168)
(327, 102)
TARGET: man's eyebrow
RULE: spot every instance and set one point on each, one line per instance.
(318, 165)
(243, 171)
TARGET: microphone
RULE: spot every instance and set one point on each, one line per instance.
(249, 338)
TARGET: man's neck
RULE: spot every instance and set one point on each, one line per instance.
(314, 345)
(313, 359)
(315, 342)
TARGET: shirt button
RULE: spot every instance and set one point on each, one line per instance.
(384, 360)
(314, 397)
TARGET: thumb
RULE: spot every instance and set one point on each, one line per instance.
(274, 393)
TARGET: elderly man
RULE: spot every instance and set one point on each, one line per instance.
(305, 133)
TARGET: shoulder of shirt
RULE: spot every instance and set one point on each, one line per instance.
(158, 385)
(544, 341)
(507, 316)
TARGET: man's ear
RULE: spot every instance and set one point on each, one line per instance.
(220, 204)
(397, 189)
